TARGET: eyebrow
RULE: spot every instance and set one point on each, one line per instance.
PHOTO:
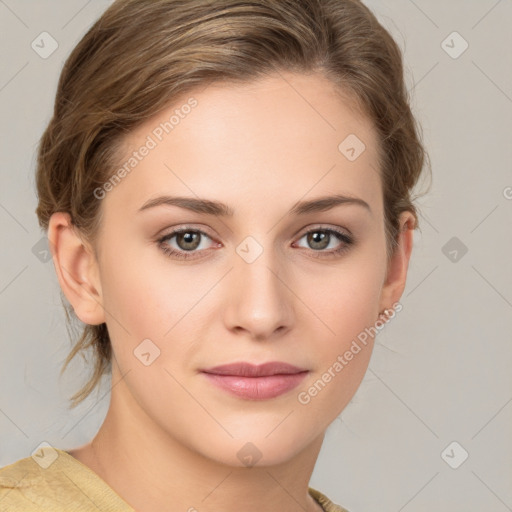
(219, 209)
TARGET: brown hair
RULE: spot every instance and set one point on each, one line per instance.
(140, 55)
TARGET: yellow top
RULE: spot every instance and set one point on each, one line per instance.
(52, 480)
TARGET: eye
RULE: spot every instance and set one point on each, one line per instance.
(185, 243)
(320, 239)
(188, 242)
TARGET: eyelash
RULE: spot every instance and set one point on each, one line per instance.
(347, 240)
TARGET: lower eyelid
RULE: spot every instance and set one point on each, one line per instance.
(345, 239)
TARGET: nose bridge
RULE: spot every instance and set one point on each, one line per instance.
(259, 301)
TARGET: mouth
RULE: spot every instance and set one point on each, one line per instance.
(256, 382)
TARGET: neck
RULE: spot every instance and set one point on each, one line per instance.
(153, 471)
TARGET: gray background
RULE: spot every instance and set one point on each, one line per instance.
(440, 371)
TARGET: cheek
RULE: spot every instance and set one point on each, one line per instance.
(139, 292)
(147, 299)
(136, 306)
(348, 304)
(347, 301)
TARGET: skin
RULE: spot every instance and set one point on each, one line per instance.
(170, 439)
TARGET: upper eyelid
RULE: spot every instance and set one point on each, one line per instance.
(186, 228)
(177, 230)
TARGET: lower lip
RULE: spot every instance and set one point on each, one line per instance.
(257, 388)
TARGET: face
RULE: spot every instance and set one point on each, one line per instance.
(267, 271)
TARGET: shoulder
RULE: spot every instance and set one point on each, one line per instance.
(326, 504)
(52, 480)
(23, 486)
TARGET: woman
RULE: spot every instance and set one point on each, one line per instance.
(226, 188)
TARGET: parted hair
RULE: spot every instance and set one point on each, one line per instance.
(141, 55)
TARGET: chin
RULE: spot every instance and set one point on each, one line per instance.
(257, 448)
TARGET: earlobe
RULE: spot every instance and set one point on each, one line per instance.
(396, 277)
(76, 268)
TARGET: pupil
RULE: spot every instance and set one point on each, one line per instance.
(188, 239)
(318, 238)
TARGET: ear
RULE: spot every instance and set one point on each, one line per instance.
(396, 276)
(76, 268)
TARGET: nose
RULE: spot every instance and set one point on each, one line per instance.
(258, 299)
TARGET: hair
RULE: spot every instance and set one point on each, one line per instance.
(141, 55)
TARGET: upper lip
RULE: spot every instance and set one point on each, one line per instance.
(243, 369)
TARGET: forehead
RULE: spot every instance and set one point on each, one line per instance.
(284, 135)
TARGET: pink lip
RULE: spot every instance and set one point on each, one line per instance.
(256, 382)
